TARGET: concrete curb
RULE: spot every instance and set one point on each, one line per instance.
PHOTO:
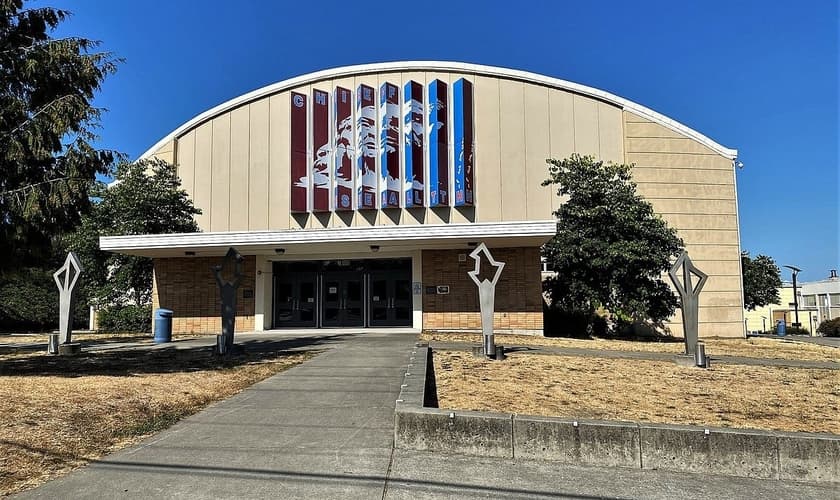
(795, 456)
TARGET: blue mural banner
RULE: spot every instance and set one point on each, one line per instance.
(389, 145)
(462, 124)
(413, 142)
(438, 145)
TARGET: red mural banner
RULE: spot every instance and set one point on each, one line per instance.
(321, 147)
(344, 150)
(299, 177)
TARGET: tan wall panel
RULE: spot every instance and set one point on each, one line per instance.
(650, 129)
(723, 284)
(704, 236)
(279, 175)
(537, 149)
(734, 329)
(165, 156)
(709, 207)
(681, 176)
(239, 168)
(719, 267)
(630, 117)
(186, 162)
(488, 178)
(512, 138)
(562, 123)
(714, 252)
(220, 166)
(610, 133)
(720, 299)
(587, 141)
(680, 160)
(203, 173)
(665, 145)
(696, 221)
(258, 181)
(653, 190)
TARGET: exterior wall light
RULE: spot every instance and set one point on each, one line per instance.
(189, 253)
(374, 248)
(279, 251)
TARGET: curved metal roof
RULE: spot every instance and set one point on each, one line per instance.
(442, 66)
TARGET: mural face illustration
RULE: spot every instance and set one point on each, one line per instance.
(367, 132)
(344, 154)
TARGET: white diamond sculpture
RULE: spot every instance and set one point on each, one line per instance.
(66, 278)
(486, 294)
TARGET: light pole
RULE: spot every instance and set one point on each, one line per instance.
(794, 271)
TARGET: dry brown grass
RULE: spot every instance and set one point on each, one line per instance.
(58, 413)
(759, 397)
(751, 348)
(30, 338)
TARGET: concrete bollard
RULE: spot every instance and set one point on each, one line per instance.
(700, 355)
(52, 344)
(500, 352)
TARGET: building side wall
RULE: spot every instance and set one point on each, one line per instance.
(518, 291)
(188, 287)
(693, 189)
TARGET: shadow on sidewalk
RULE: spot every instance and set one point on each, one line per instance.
(171, 358)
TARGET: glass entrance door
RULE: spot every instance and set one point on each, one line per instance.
(342, 299)
(295, 300)
(390, 298)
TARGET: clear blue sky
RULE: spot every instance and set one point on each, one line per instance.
(758, 76)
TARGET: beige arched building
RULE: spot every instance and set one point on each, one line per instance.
(356, 194)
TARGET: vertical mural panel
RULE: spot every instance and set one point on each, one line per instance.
(414, 138)
(438, 145)
(389, 145)
(300, 179)
(344, 151)
(462, 97)
(366, 146)
(321, 147)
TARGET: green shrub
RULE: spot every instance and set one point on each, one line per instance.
(829, 328)
(29, 302)
(126, 319)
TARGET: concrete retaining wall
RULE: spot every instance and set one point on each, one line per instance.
(732, 452)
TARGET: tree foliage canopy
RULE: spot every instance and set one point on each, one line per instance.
(146, 198)
(611, 248)
(762, 280)
(47, 119)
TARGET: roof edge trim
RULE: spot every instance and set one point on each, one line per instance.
(477, 69)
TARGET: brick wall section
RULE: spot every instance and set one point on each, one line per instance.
(188, 287)
(518, 292)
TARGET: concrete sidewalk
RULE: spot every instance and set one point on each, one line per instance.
(325, 429)
(322, 429)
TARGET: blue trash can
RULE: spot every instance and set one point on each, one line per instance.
(780, 328)
(163, 326)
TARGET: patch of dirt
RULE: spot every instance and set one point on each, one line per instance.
(58, 413)
(757, 397)
(750, 348)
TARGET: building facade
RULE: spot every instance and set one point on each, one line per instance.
(357, 193)
(817, 301)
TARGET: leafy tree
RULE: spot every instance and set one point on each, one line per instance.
(762, 280)
(47, 118)
(146, 198)
(611, 249)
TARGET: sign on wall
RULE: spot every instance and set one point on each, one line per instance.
(415, 133)
(438, 145)
(300, 179)
(462, 102)
(348, 157)
(344, 149)
(321, 148)
(389, 145)
(366, 146)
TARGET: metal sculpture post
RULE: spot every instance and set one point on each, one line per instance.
(486, 295)
(227, 290)
(66, 278)
(689, 297)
